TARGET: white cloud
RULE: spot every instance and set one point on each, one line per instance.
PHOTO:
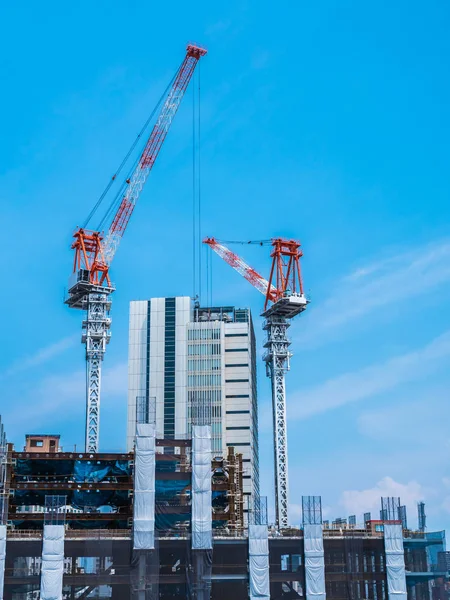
(370, 381)
(41, 356)
(399, 278)
(360, 501)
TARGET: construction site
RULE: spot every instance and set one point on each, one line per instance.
(180, 513)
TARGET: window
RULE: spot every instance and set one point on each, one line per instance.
(37, 443)
(238, 428)
(236, 380)
(239, 444)
(238, 365)
(237, 396)
(236, 335)
(237, 412)
(236, 349)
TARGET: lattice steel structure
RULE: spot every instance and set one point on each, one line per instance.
(402, 516)
(312, 510)
(390, 508)
(284, 300)
(422, 518)
(55, 510)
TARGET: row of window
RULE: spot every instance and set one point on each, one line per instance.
(204, 364)
(203, 349)
(203, 334)
(204, 380)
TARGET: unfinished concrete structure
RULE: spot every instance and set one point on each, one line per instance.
(167, 522)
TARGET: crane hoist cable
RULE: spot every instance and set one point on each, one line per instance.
(124, 161)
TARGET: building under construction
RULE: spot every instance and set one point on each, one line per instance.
(179, 515)
(167, 521)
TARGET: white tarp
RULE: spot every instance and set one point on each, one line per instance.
(258, 554)
(144, 488)
(395, 561)
(2, 558)
(314, 562)
(201, 488)
(52, 562)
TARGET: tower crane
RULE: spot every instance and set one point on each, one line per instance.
(284, 299)
(90, 286)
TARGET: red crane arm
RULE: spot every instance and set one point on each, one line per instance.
(285, 270)
(95, 252)
(151, 151)
(235, 261)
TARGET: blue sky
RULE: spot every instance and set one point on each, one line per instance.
(326, 121)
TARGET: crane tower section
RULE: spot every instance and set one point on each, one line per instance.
(284, 299)
(90, 286)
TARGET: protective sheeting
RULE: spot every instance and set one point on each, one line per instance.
(76, 470)
(52, 562)
(144, 488)
(258, 553)
(395, 561)
(201, 488)
(314, 562)
(2, 558)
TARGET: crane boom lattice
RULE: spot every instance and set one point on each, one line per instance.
(283, 301)
(90, 286)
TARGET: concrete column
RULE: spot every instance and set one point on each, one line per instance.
(395, 561)
(144, 488)
(258, 558)
(314, 562)
(2, 558)
(52, 562)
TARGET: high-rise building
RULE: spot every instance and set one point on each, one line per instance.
(195, 365)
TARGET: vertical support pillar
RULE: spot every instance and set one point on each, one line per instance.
(52, 563)
(96, 336)
(201, 511)
(395, 561)
(277, 363)
(2, 558)
(258, 553)
(314, 562)
(201, 488)
(144, 488)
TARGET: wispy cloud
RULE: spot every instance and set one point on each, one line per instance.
(56, 399)
(399, 278)
(40, 357)
(370, 381)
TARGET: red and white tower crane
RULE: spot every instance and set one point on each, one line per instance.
(90, 285)
(284, 299)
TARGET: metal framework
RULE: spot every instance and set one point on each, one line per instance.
(283, 302)
(90, 286)
(422, 518)
(312, 510)
(390, 508)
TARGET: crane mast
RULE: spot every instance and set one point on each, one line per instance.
(90, 286)
(284, 299)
